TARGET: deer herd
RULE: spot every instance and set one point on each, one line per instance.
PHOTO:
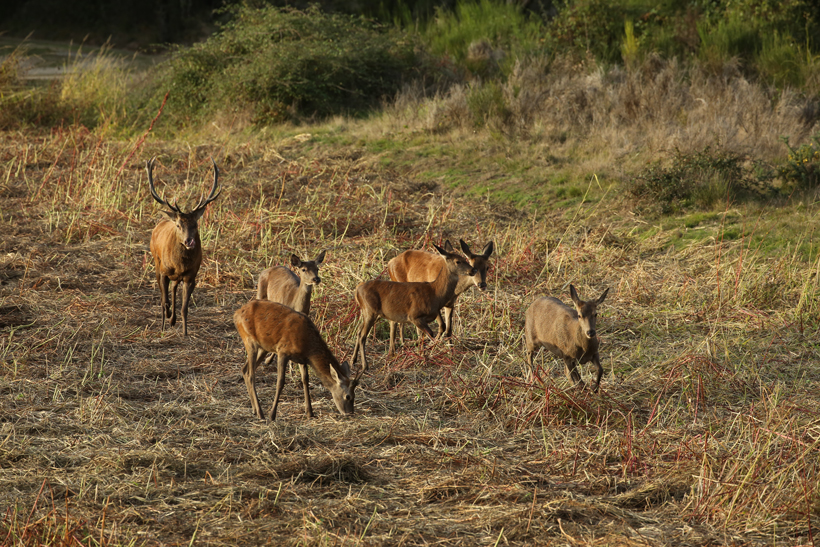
(423, 288)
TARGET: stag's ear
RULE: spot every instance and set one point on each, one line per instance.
(320, 258)
(488, 249)
(574, 295)
(170, 215)
(197, 213)
(295, 261)
(345, 366)
(601, 298)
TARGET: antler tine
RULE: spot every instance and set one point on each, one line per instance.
(213, 193)
(149, 167)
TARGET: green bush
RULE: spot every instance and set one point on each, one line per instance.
(702, 180)
(280, 63)
(800, 172)
(485, 35)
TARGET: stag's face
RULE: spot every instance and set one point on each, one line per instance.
(187, 227)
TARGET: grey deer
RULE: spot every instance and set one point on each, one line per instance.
(569, 333)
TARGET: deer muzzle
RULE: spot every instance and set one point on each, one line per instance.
(190, 243)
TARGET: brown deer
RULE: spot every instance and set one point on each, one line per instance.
(418, 303)
(279, 284)
(416, 265)
(270, 327)
(568, 333)
(177, 249)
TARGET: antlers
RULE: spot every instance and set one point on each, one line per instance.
(149, 167)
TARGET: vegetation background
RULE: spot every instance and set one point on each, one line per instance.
(667, 150)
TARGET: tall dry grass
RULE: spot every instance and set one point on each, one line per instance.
(574, 108)
(705, 431)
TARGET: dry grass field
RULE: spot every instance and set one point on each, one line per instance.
(705, 431)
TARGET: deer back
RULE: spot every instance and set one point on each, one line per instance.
(422, 266)
(555, 325)
(279, 284)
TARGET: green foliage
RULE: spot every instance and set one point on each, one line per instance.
(801, 169)
(95, 87)
(484, 33)
(701, 180)
(280, 63)
(486, 103)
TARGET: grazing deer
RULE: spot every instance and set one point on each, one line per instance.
(279, 284)
(423, 266)
(568, 333)
(270, 327)
(177, 249)
(418, 303)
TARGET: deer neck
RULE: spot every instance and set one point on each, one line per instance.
(302, 302)
(445, 284)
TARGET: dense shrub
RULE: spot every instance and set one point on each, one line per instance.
(701, 180)
(279, 63)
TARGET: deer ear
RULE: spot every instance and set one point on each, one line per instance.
(601, 298)
(441, 251)
(574, 295)
(345, 366)
(170, 215)
(448, 247)
(465, 248)
(320, 258)
(488, 249)
(295, 261)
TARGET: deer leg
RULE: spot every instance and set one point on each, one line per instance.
(187, 291)
(367, 324)
(162, 281)
(442, 327)
(572, 372)
(392, 337)
(173, 314)
(599, 372)
(281, 362)
(303, 370)
(448, 320)
(249, 374)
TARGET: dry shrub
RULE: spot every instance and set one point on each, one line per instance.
(658, 107)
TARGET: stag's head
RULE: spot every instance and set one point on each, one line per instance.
(587, 311)
(480, 263)
(187, 224)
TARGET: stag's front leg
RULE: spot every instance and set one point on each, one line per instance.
(162, 281)
(173, 311)
(187, 290)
